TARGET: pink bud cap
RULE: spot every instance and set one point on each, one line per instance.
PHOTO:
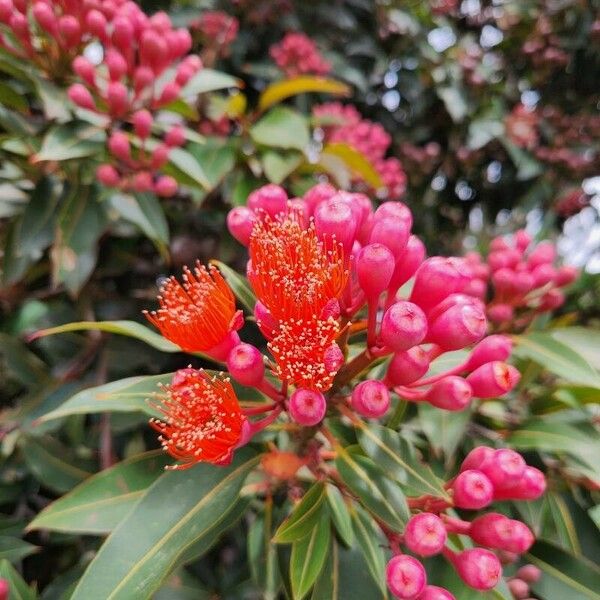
(392, 233)
(495, 530)
(240, 221)
(165, 186)
(123, 33)
(504, 281)
(529, 573)
(566, 275)
(317, 194)
(153, 49)
(491, 348)
(374, 267)
(476, 288)
(477, 457)
(4, 589)
(116, 98)
(142, 77)
(530, 487)
(405, 577)
(175, 136)
(142, 182)
(518, 588)
(425, 534)
(504, 468)
(396, 211)
(160, 155)
(95, 23)
(333, 358)
(472, 490)
(450, 393)
(458, 327)
(500, 313)
(371, 399)
(142, 123)
(107, 175)
(544, 252)
(246, 365)
(522, 240)
(493, 379)
(84, 69)
(552, 300)
(6, 10)
(118, 145)
(169, 93)
(80, 95)
(543, 274)
(307, 407)
(478, 568)
(407, 367)
(184, 74)
(116, 64)
(334, 219)
(270, 199)
(70, 30)
(44, 15)
(267, 323)
(433, 592)
(498, 244)
(408, 262)
(404, 325)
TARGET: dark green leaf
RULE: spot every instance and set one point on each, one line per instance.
(340, 514)
(75, 139)
(281, 127)
(14, 549)
(371, 542)
(304, 516)
(207, 80)
(19, 590)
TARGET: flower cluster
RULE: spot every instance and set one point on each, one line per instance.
(485, 475)
(343, 124)
(142, 71)
(524, 279)
(218, 29)
(296, 54)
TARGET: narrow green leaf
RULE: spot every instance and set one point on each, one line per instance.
(75, 139)
(208, 80)
(308, 557)
(141, 552)
(14, 549)
(304, 516)
(190, 167)
(262, 554)
(444, 429)
(583, 340)
(240, 286)
(100, 503)
(282, 127)
(19, 590)
(371, 542)
(183, 586)
(563, 523)
(340, 514)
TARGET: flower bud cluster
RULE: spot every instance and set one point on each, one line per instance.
(523, 276)
(137, 51)
(343, 124)
(296, 54)
(218, 30)
(486, 475)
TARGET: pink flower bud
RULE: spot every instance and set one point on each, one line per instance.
(184, 74)
(266, 322)
(85, 69)
(123, 32)
(95, 23)
(20, 26)
(107, 175)
(493, 379)
(142, 77)
(543, 274)
(270, 199)
(374, 267)
(240, 221)
(405, 576)
(160, 155)
(395, 210)
(45, 16)
(498, 260)
(246, 365)
(142, 123)
(565, 275)
(472, 490)
(476, 288)
(153, 49)
(317, 194)
(551, 300)
(498, 244)
(165, 186)
(169, 93)
(529, 573)
(116, 98)
(370, 399)
(80, 95)
(503, 280)
(307, 407)
(504, 468)
(142, 182)
(500, 313)
(457, 327)
(116, 64)
(497, 531)
(522, 240)
(531, 486)
(392, 233)
(6, 10)
(408, 262)
(334, 219)
(433, 592)
(543, 253)
(477, 457)
(183, 41)
(478, 568)
(491, 348)
(70, 30)
(425, 534)
(437, 278)
(404, 325)
(193, 61)
(118, 145)
(518, 588)
(450, 393)
(160, 21)
(523, 282)
(333, 358)
(175, 136)
(407, 367)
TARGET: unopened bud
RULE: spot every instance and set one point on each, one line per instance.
(80, 95)
(405, 577)
(246, 364)
(142, 123)
(307, 407)
(240, 221)
(493, 379)
(165, 186)
(371, 399)
(269, 199)
(107, 175)
(478, 568)
(374, 267)
(334, 219)
(450, 393)
(118, 145)
(85, 69)
(407, 367)
(425, 534)
(472, 490)
(404, 325)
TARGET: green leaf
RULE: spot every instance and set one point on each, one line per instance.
(124, 395)
(207, 80)
(178, 510)
(340, 514)
(49, 462)
(11, 98)
(282, 127)
(278, 166)
(183, 586)
(130, 329)
(19, 590)
(583, 340)
(145, 212)
(564, 575)
(564, 526)
(100, 503)
(75, 139)
(594, 514)
(262, 554)
(395, 455)
(308, 557)
(527, 166)
(444, 429)
(215, 159)
(280, 90)
(189, 166)
(371, 542)
(558, 358)
(356, 161)
(304, 516)
(380, 495)
(238, 284)
(14, 549)
(455, 101)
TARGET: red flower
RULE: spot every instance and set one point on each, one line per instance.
(198, 315)
(202, 419)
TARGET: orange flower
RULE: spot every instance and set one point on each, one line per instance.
(203, 420)
(291, 271)
(198, 315)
